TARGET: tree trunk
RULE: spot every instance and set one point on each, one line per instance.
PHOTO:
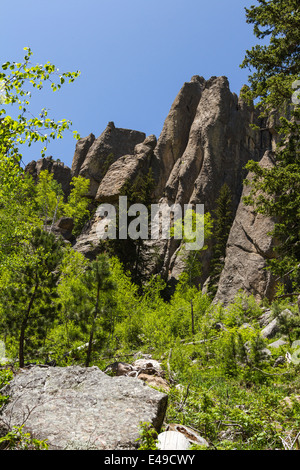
(21, 345)
(192, 317)
(23, 328)
(89, 351)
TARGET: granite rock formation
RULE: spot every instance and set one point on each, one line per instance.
(220, 142)
(249, 245)
(60, 171)
(206, 140)
(93, 156)
(125, 169)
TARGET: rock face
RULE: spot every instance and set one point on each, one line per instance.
(125, 169)
(93, 156)
(81, 408)
(205, 142)
(82, 147)
(175, 133)
(220, 142)
(64, 227)
(61, 172)
(249, 246)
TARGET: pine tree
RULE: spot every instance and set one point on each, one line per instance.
(98, 282)
(133, 253)
(223, 218)
(28, 299)
(276, 191)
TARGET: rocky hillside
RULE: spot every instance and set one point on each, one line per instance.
(206, 140)
(85, 408)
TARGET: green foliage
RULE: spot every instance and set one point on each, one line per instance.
(17, 439)
(17, 82)
(55, 302)
(28, 297)
(49, 198)
(231, 403)
(134, 254)
(77, 205)
(243, 309)
(290, 327)
(27, 277)
(94, 302)
(5, 377)
(275, 191)
(228, 392)
(192, 258)
(276, 64)
(223, 218)
(148, 437)
(17, 210)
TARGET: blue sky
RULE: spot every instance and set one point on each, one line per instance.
(134, 56)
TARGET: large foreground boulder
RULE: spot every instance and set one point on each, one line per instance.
(81, 408)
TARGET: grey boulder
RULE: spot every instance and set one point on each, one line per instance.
(81, 408)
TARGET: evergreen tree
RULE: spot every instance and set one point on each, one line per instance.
(28, 299)
(276, 191)
(192, 259)
(133, 254)
(290, 326)
(222, 224)
(98, 283)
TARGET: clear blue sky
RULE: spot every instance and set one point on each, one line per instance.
(134, 56)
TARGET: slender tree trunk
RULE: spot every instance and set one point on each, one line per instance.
(23, 328)
(21, 345)
(192, 317)
(89, 351)
(55, 213)
(137, 259)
